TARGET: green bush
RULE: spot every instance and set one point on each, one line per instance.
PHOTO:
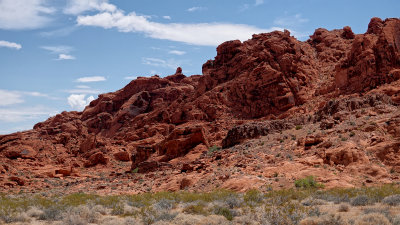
(308, 182)
(218, 210)
(213, 149)
(253, 196)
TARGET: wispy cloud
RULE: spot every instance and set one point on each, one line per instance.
(24, 14)
(82, 86)
(130, 78)
(91, 79)
(78, 102)
(8, 44)
(196, 8)
(25, 113)
(83, 91)
(8, 97)
(290, 20)
(58, 49)
(59, 32)
(166, 17)
(206, 34)
(177, 52)
(169, 63)
(76, 7)
(61, 50)
(65, 57)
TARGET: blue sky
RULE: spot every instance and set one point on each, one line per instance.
(57, 55)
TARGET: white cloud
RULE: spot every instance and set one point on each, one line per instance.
(169, 63)
(91, 79)
(196, 8)
(10, 98)
(177, 52)
(76, 7)
(130, 78)
(15, 97)
(25, 113)
(65, 57)
(59, 49)
(78, 102)
(166, 17)
(10, 45)
(65, 31)
(259, 2)
(82, 86)
(290, 20)
(83, 91)
(206, 34)
(24, 14)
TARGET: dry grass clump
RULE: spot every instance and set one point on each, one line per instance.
(324, 220)
(392, 200)
(310, 201)
(372, 219)
(344, 207)
(361, 200)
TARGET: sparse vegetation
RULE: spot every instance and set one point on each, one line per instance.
(299, 127)
(214, 148)
(288, 206)
(308, 182)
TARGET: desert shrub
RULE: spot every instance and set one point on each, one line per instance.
(34, 212)
(131, 221)
(149, 215)
(344, 207)
(165, 216)
(233, 201)
(213, 149)
(392, 200)
(198, 209)
(14, 217)
(308, 182)
(52, 213)
(396, 220)
(85, 213)
(72, 219)
(310, 201)
(324, 220)
(119, 221)
(253, 197)
(227, 213)
(299, 127)
(291, 212)
(163, 204)
(379, 210)
(100, 209)
(372, 219)
(118, 209)
(361, 200)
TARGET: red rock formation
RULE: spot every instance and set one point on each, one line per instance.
(373, 58)
(167, 124)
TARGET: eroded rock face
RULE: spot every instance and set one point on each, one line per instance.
(372, 58)
(181, 141)
(260, 87)
(268, 74)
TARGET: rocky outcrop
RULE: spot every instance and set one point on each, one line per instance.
(373, 57)
(247, 131)
(268, 86)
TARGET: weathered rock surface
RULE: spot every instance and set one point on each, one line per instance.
(279, 107)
